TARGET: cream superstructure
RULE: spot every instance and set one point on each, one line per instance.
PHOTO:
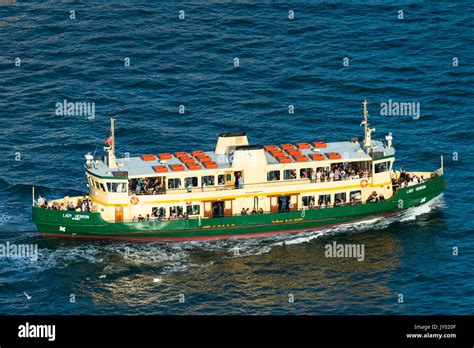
(217, 191)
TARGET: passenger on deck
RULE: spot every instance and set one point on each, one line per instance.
(62, 207)
(313, 176)
(254, 211)
(318, 176)
(41, 202)
(243, 212)
(374, 197)
(331, 176)
(71, 206)
(260, 211)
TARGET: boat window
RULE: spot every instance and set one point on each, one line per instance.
(207, 180)
(193, 181)
(177, 211)
(324, 199)
(308, 201)
(102, 187)
(273, 175)
(305, 173)
(339, 198)
(174, 183)
(193, 209)
(143, 186)
(355, 196)
(221, 179)
(116, 187)
(382, 167)
(158, 212)
(289, 174)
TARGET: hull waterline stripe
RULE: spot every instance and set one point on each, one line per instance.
(206, 238)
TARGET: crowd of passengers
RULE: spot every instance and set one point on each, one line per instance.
(253, 212)
(159, 215)
(406, 179)
(341, 171)
(151, 186)
(326, 203)
(82, 205)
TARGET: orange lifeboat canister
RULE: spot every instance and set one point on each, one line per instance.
(333, 155)
(177, 167)
(187, 160)
(164, 156)
(160, 169)
(303, 146)
(198, 153)
(320, 144)
(284, 159)
(316, 157)
(278, 154)
(148, 157)
(181, 154)
(300, 158)
(287, 147)
(294, 152)
(271, 148)
(210, 165)
(193, 166)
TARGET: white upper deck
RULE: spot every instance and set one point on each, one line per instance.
(141, 166)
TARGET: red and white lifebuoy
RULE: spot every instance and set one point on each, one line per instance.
(134, 200)
(364, 183)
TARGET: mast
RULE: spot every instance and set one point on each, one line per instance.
(367, 131)
(111, 150)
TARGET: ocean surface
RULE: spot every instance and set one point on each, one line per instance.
(426, 58)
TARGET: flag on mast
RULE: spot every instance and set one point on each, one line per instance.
(109, 140)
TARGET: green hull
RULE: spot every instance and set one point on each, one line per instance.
(58, 223)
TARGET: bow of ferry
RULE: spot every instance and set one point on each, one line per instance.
(201, 195)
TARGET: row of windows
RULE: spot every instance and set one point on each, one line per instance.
(208, 180)
(118, 187)
(192, 209)
(339, 198)
(292, 174)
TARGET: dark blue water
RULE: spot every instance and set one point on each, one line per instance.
(283, 62)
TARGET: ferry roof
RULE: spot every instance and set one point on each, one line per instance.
(137, 167)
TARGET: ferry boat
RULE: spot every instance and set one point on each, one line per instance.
(237, 190)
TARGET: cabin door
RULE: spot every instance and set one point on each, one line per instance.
(293, 204)
(218, 209)
(228, 208)
(229, 180)
(208, 209)
(118, 214)
(274, 204)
